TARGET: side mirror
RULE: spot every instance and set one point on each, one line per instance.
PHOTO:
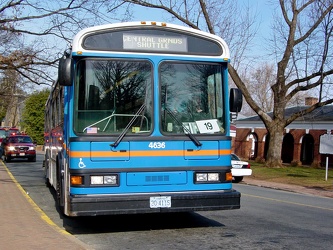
(236, 100)
(65, 71)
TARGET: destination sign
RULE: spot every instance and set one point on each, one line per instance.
(155, 43)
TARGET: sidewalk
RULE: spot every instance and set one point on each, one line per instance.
(288, 187)
(23, 225)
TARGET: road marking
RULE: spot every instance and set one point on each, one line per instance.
(35, 206)
(287, 202)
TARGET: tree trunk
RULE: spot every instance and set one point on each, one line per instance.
(273, 158)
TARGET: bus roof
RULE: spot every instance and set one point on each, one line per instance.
(129, 29)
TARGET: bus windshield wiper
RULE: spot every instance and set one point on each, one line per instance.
(121, 136)
(188, 132)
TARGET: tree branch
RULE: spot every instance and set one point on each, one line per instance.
(167, 9)
(240, 84)
(316, 24)
(308, 110)
(206, 16)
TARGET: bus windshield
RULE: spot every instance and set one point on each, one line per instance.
(109, 94)
(191, 98)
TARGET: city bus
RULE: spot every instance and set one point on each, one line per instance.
(138, 121)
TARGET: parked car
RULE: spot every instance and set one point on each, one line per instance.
(239, 168)
(18, 146)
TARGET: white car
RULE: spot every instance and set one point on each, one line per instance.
(239, 168)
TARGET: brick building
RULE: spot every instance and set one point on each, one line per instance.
(301, 138)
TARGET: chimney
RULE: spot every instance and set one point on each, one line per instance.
(310, 101)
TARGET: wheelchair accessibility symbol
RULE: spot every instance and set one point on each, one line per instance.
(81, 164)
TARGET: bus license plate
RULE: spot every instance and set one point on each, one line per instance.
(160, 201)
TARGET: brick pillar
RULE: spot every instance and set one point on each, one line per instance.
(261, 149)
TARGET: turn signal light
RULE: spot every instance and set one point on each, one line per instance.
(76, 180)
(228, 176)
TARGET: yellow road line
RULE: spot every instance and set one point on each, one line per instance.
(34, 205)
(287, 202)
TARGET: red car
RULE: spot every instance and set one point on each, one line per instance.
(18, 146)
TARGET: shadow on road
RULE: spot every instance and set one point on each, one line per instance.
(139, 222)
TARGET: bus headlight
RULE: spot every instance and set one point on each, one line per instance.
(104, 180)
(96, 180)
(213, 177)
(110, 180)
(207, 177)
(200, 177)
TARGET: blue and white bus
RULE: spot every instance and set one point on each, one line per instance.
(139, 122)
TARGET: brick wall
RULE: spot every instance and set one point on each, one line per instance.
(242, 145)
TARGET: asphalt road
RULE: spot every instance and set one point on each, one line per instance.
(268, 219)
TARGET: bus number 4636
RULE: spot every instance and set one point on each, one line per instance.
(156, 145)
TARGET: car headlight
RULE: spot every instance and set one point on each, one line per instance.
(31, 148)
(11, 148)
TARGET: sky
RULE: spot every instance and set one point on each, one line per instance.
(262, 9)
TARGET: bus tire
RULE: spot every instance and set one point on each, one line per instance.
(47, 182)
(7, 158)
(59, 190)
(32, 159)
(46, 169)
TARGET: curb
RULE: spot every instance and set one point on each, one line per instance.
(289, 188)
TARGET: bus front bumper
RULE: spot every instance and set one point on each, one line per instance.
(92, 205)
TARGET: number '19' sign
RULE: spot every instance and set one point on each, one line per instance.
(208, 126)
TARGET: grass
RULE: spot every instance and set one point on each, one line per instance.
(303, 175)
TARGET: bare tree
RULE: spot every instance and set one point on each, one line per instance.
(259, 85)
(11, 96)
(302, 47)
(303, 65)
(34, 33)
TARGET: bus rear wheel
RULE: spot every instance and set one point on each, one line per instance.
(8, 158)
(32, 159)
(59, 191)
